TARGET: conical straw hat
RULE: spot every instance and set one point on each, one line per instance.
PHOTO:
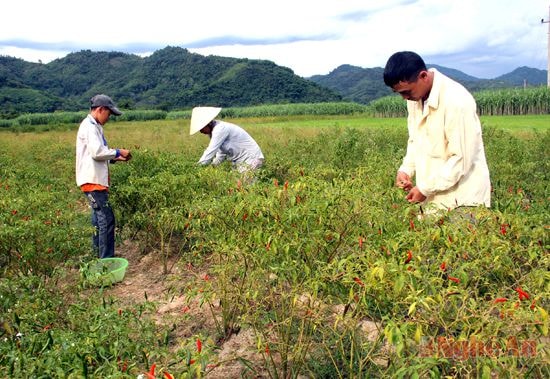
(201, 116)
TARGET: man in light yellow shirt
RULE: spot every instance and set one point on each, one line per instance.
(445, 150)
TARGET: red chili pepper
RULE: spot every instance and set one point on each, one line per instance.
(503, 229)
(456, 280)
(285, 186)
(360, 242)
(199, 345)
(119, 312)
(275, 182)
(409, 256)
(533, 304)
(14, 212)
(522, 294)
(358, 281)
(151, 373)
(245, 216)
(266, 348)
(167, 375)
(500, 300)
(443, 266)
(411, 225)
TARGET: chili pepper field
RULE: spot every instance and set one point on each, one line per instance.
(315, 268)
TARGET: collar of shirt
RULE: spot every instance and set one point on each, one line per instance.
(98, 125)
(433, 100)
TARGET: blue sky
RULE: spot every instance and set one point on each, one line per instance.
(483, 38)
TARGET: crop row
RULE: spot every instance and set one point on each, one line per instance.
(490, 102)
(320, 245)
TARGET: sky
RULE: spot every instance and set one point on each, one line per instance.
(483, 38)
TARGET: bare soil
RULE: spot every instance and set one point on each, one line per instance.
(145, 280)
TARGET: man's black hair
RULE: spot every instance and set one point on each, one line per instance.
(403, 66)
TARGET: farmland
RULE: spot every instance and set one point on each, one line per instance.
(319, 268)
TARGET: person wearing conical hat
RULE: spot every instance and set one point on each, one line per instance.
(227, 141)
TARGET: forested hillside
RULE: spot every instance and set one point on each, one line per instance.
(362, 85)
(174, 78)
(171, 78)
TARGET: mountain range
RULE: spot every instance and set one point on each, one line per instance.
(174, 78)
(362, 85)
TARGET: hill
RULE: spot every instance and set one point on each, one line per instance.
(531, 76)
(171, 78)
(363, 85)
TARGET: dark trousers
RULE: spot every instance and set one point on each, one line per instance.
(103, 219)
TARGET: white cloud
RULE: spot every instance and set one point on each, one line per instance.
(309, 36)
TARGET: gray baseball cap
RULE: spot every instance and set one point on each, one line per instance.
(105, 101)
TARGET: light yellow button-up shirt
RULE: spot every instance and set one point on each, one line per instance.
(445, 148)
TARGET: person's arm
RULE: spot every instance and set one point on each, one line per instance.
(403, 180)
(463, 133)
(219, 135)
(219, 158)
(123, 155)
(98, 150)
(407, 169)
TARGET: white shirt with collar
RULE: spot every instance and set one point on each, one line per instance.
(92, 154)
(445, 148)
(232, 142)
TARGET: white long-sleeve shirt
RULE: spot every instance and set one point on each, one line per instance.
(232, 142)
(92, 154)
(445, 147)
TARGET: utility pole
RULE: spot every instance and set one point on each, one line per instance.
(547, 21)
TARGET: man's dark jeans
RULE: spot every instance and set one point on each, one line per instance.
(103, 219)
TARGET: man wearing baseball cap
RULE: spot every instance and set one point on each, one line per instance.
(93, 156)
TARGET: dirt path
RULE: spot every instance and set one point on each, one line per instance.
(144, 277)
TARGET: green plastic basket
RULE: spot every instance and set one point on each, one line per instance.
(105, 272)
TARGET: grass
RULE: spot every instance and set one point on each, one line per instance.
(323, 220)
(522, 124)
(173, 135)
